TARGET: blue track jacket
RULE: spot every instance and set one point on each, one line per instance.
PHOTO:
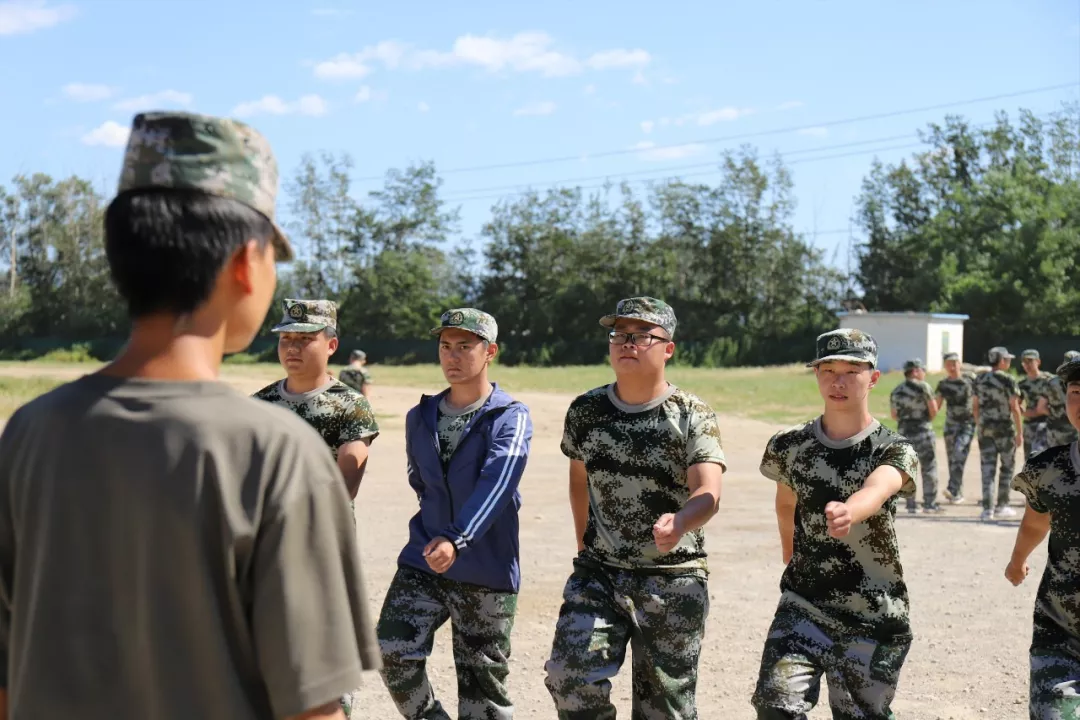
(475, 502)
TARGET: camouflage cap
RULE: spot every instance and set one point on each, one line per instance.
(1030, 353)
(218, 156)
(357, 355)
(846, 344)
(306, 316)
(997, 354)
(646, 309)
(915, 364)
(950, 356)
(1069, 371)
(472, 320)
(1072, 355)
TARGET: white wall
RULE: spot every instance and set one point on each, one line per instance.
(899, 338)
(943, 336)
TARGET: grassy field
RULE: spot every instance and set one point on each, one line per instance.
(785, 394)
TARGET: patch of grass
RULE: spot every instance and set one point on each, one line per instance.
(15, 392)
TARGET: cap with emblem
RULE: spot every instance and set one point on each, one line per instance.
(1030, 353)
(915, 364)
(997, 354)
(846, 344)
(646, 309)
(477, 322)
(306, 316)
(950, 356)
(217, 156)
(1072, 355)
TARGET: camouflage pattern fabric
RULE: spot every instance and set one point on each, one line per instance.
(862, 672)
(1059, 430)
(355, 378)
(645, 309)
(477, 322)
(662, 617)
(958, 437)
(336, 411)
(1036, 437)
(958, 394)
(1031, 389)
(853, 584)
(306, 316)
(994, 390)
(419, 603)
(846, 344)
(451, 424)
(925, 444)
(991, 448)
(1054, 685)
(910, 399)
(217, 156)
(637, 460)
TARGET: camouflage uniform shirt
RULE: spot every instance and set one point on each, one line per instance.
(853, 584)
(909, 399)
(1058, 421)
(1031, 389)
(355, 378)
(994, 390)
(958, 394)
(637, 457)
(1051, 483)
(336, 411)
(451, 424)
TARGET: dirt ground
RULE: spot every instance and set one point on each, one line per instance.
(972, 628)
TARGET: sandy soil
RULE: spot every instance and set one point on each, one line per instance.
(972, 628)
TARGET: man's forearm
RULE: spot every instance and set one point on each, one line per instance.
(865, 502)
(1032, 531)
(579, 506)
(698, 510)
(786, 523)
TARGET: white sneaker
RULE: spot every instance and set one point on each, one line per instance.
(987, 515)
(1004, 511)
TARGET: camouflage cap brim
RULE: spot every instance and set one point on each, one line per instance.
(862, 358)
(1069, 371)
(298, 328)
(283, 251)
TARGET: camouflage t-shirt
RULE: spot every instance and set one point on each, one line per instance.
(1031, 389)
(336, 411)
(853, 584)
(451, 424)
(910, 401)
(1051, 483)
(1058, 420)
(958, 394)
(637, 457)
(355, 378)
(994, 390)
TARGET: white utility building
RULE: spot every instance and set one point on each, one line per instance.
(902, 336)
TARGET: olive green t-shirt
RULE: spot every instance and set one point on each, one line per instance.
(174, 550)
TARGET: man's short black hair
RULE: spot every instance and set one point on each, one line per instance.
(167, 247)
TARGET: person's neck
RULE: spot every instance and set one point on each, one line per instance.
(299, 384)
(843, 424)
(1032, 374)
(467, 393)
(954, 376)
(640, 390)
(164, 347)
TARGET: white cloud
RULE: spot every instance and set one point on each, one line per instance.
(814, 132)
(619, 58)
(546, 107)
(155, 101)
(311, 105)
(647, 126)
(21, 17)
(523, 52)
(423, 107)
(725, 114)
(650, 152)
(790, 105)
(83, 92)
(108, 134)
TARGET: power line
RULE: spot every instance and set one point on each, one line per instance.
(745, 136)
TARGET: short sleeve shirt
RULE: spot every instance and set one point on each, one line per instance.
(995, 389)
(1050, 481)
(637, 457)
(910, 401)
(856, 583)
(335, 410)
(1056, 394)
(958, 394)
(451, 424)
(355, 378)
(1031, 389)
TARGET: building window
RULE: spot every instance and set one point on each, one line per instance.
(944, 341)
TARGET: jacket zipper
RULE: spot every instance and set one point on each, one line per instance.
(446, 479)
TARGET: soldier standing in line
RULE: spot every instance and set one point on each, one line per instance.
(843, 612)
(646, 467)
(913, 407)
(997, 415)
(958, 390)
(1035, 399)
(356, 375)
(1059, 430)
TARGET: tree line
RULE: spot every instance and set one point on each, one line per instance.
(982, 220)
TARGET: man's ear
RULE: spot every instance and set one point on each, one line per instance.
(492, 351)
(241, 266)
(334, 343)
(875, 375)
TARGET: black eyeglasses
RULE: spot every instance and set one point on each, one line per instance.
(641, 339)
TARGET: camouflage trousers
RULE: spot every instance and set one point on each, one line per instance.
(924, 444)
(958, 439)
(992, 447)
(1036, 438)
(1054, 691)
(662, 617)
(862, 673)
(419, 603)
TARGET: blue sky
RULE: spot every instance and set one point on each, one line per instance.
(484, 83)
